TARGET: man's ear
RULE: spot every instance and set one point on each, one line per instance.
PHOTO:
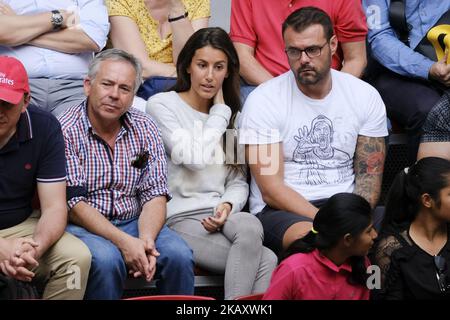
(26, 101)
(333, 44)
(87, 86)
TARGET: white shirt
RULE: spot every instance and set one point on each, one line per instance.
(318, 136)
(46, 63)
(198, 178)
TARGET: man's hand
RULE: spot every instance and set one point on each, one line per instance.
(138, 254)
(440, 71)
(6, 10)
(152, 255)
(20, 256)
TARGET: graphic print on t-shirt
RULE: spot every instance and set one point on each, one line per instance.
(320, 162)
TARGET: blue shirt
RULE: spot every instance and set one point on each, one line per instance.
(112, 182)
(34, 154)
(388, 49)
(51, 64)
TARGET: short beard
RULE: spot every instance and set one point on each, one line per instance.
(310, 80)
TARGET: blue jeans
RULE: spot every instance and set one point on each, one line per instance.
(174, 267)
(246, 89)
(154, 85)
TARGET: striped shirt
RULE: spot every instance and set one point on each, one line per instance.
(114, 183)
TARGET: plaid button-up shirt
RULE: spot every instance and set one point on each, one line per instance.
(117, 183)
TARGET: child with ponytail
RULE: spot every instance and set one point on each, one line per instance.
(413, 251)
(330, 262)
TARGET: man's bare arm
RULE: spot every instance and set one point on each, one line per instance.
(355, 59)
(16, 30)
(267, 166)
(53, 220)
(70, 40)
(369, 166)
(251, 70)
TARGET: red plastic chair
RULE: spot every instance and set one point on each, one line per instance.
(255, 296)
(171, 297)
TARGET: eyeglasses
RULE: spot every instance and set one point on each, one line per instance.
(312, 52)
(441, 268)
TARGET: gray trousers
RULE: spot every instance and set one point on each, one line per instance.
(55, 95)
(235, 251)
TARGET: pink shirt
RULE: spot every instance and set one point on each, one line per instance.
(311, 276)
(257, 23)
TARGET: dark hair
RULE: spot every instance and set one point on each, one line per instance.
(217, 38)
(428, 175)
(305, 17)
(343, 213)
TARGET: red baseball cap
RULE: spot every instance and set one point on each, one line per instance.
(13, 80)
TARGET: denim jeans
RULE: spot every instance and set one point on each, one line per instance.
(246, 89)
(174, 267)
(154, 85)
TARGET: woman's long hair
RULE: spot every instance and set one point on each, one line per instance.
(218, 39)
(343, 213)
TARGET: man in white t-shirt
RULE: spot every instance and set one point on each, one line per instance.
(310, 133)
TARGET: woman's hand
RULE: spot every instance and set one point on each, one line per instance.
(176, 8)
(218, 98)
(215, 223)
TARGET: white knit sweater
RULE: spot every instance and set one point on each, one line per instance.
(198, 177)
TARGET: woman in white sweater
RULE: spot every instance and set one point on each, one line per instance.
(208, 192)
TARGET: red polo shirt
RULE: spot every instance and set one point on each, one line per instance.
(257, 23)
(311, 276)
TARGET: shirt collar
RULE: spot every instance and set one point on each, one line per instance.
(126, 119)
(329, 264)
(24, 127)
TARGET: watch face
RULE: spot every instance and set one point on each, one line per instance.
(57, 19)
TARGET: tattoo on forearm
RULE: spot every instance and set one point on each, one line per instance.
(369, 166)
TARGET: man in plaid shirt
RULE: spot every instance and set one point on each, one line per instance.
(117, 185)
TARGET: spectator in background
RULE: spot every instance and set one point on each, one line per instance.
(403, 76)
(413, 251)
(256, 33)
(209, 194)
(117, 185)
(33, 245)
(155, 32)
(330, 262)
(435, 140)
(55, 45)
(310, 133)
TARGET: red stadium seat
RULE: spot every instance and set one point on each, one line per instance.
(255, 296)
(171, 297)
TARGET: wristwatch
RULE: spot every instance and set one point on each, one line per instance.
(57, 19)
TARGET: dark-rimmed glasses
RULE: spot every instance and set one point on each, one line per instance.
(312, 52)
(441, 268)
